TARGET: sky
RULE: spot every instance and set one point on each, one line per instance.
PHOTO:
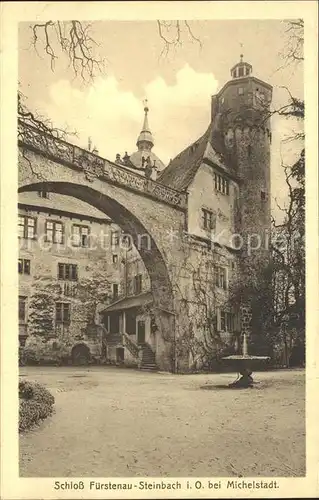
(178, 85)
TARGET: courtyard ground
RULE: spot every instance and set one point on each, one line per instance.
(112, 422)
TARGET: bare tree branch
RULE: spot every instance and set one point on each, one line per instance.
(74, 39)
(174, 33)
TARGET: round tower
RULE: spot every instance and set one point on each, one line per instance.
(241, 124)
(242, 111)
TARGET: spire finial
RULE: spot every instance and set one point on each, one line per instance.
(145, 139)
(145, 102)
(241, 57)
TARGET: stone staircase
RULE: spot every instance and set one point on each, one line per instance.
(142, 352)
(148, 362)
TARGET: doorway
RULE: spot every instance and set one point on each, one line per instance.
(141, 332)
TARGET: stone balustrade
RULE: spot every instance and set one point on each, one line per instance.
(94, 166)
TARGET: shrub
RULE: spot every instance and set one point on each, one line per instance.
(35, 403)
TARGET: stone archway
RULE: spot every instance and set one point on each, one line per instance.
(138, 205)
(161, 286)
(148, 250)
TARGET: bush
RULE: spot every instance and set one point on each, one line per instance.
(35, 403)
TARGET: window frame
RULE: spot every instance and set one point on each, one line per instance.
(54, 231)
(115, 295)
(24, 263)
(23, 300)
(225, 321)
(221, 277)
(70, 271)
(137, 284)
(62, 320)
(221, 183)
(25, 225)
(208, 219)
(43, 194)
(115, 238)
(80, 243)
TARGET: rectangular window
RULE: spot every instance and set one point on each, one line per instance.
(62, 313)
(229, 322)
(137, 284)
(115, 258)
(115, 238)
(240, 91)
(26, 227)
(240, 71)
(22, 309)
(80, 235)
(43, 194)
(127, 242)
(221, 277)
(115, 290)
(216, 181)
(24, 266)
(54, 231)
(221, 184)
(225, 321)
(263, 195)
(129, 287)
(209, 219)
(68, 272)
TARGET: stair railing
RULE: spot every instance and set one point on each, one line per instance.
(134, 348)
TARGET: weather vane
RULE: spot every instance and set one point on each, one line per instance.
(241, 55)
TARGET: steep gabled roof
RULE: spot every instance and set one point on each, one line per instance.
(182, 169)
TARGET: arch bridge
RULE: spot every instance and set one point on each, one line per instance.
(139, 206)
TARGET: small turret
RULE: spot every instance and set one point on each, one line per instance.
(241, 69)
(145, 140)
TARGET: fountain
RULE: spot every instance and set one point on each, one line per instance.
(244, 364)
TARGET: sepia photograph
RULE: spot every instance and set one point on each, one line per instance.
(161, 247)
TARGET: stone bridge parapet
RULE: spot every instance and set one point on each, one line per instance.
(94, 166)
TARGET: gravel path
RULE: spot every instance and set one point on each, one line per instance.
(113, 422)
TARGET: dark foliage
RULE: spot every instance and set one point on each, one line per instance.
(35, 404)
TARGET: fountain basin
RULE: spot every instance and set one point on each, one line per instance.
(244, 364)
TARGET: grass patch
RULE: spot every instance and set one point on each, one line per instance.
(35, 404)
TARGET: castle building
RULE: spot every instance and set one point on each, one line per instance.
(226, 175)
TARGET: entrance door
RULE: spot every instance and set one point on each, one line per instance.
(141, 332)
